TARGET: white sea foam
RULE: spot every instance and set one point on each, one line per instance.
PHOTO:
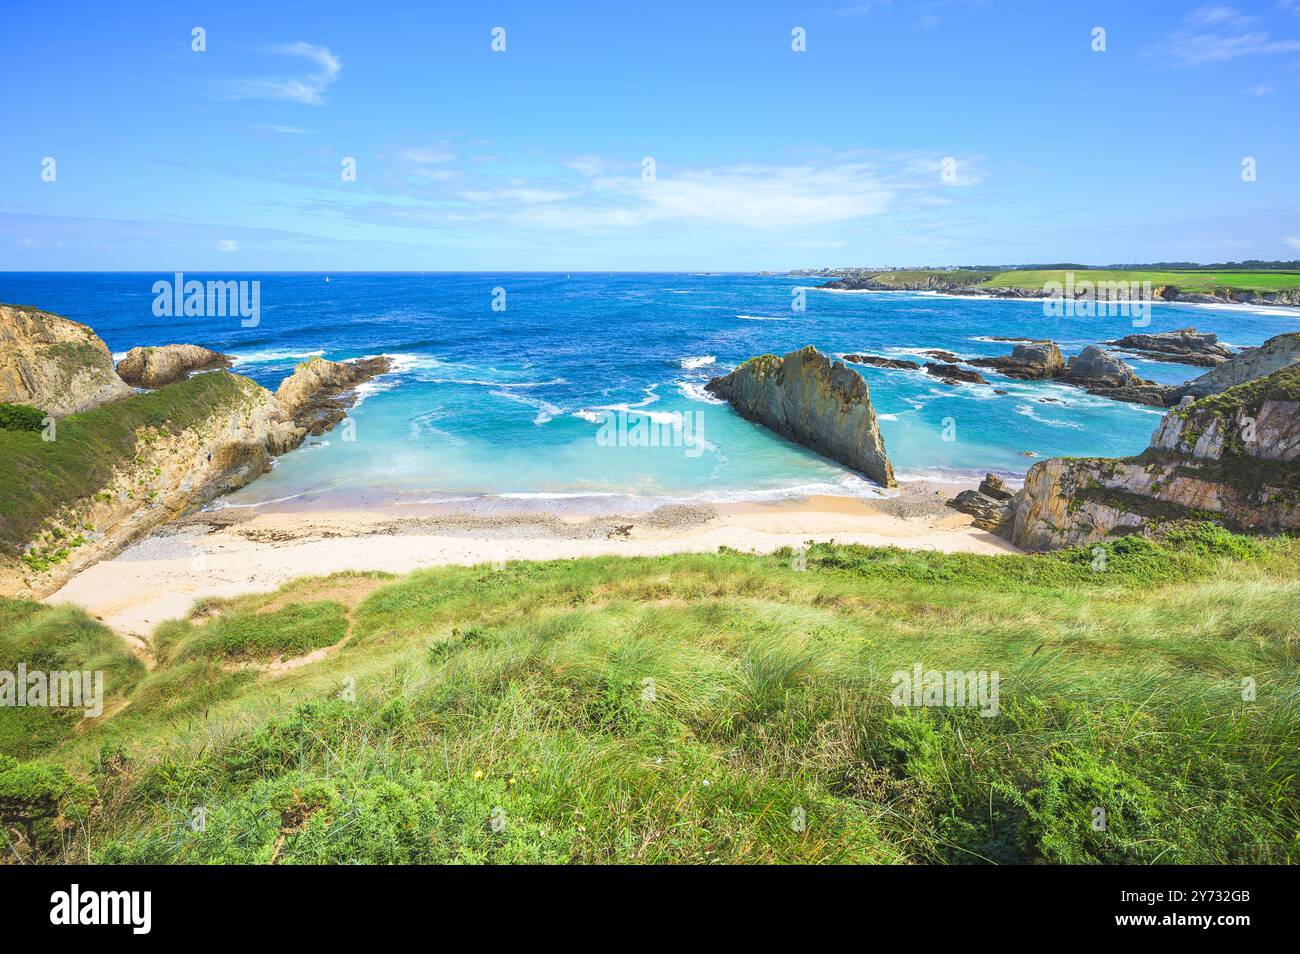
(1027, 410)
(700, 362)
(694, 390)
(546, 411)
(274, 355)
(760, 318)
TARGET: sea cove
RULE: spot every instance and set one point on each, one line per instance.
(513, 403)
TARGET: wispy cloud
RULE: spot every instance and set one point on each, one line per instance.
(308, 88)
(1261, 89)
(1292, 241)
(227, 245)
(1217, 34)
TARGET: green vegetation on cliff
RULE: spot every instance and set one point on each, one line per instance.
(1187, 281)
(42, 476)
(700, 708)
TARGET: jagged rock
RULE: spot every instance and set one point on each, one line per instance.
(1277, 352)
(878, 362)
(1184, 346)
(993, 486)
(947, 357)
(814, 401)
(1036, 361)
(156, 367)
(1096, 367)
(54, 364)
(318, 393)
(1102, 373)
(953, 374)
(990, 513)
(1233, 457)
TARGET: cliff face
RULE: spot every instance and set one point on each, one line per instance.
(1277, 352)
(156, 367)
(168, 473)
(54, 364)
(1232, 457)
(811, 400)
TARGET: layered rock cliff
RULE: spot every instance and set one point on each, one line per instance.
(814, 401)
(54, 364)
(319, 392)
(1233, 458)
(1276, 353)
(155, 367)
(130, 468)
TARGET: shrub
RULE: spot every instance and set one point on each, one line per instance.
(21, 417)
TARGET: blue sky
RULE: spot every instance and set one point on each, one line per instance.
(532, 158)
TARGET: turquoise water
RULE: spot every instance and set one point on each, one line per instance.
(510, 403)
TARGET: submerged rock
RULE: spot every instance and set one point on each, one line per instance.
(1274, 354)
(318, 393)
(814, 401)
(953, 374)
(156, 367)
(54, 364)
(1233, 457)
(877, 362)
(1184, 346)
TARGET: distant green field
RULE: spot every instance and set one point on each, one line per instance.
(1184, 281)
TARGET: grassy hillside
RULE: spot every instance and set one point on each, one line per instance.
(696, 708)
(41, 476)
(1188, 281)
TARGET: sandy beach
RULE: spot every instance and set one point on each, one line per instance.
(229, 552)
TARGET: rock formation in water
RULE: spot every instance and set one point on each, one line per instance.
(1184, 346)
(54, 364)
(1233, 457)
(318, 393)
(167, 364)
(953, 374)
(1100, 372)
(814, 401)
(875, 361)
(1036, 361)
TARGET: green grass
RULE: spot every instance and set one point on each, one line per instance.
(691, 708)
(1188, 281)
(43, 476)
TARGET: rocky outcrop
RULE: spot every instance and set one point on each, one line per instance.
(814, 401)
(990, 505)
(1233, 458)
(1100, 372)
(1184, 346)
(1036, 361)
(156, 367)
(318, 393)
(874, 361)
(952, 374)
(1278, 352)
(54, 364)
(168, 473)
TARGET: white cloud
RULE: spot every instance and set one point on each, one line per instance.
(227, 245)
(1261, 89)
(426, 155)
(307, 88)
(1292, 241)
(1217, 34)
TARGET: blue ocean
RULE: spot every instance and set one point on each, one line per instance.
(506, 404)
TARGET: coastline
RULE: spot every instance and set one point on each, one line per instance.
(231, 552)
